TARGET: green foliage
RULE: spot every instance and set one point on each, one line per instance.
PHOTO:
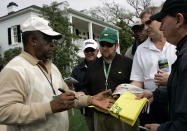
(10, 54)
(65, 52)
(125, 36)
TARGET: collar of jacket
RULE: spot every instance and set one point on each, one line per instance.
(181, 46)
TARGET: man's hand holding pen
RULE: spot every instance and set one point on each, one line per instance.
(63, 102)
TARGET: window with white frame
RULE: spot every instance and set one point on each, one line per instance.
(14, 35)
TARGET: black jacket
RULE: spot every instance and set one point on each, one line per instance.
(177, 91)
(119, 73)
(161, 96)
(79, 73)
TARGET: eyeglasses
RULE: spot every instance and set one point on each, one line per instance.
(148, 22)
(87, 50)
(109, 45)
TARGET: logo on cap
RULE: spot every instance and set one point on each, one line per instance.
(105, 34)
(88, 43)
(109, 35)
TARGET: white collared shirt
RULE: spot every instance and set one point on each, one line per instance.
(145, 62)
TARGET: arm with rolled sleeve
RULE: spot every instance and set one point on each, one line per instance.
(137, 71)
(13, 109)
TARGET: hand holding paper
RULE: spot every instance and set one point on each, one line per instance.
(105, 103)
(103, 94)
(148, 95)
(128, 108)
(100, 100)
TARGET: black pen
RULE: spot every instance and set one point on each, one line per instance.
(63, 91)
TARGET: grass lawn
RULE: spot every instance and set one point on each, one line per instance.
(76, 121)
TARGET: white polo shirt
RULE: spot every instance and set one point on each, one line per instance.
(145, 62)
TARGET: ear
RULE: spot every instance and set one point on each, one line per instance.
(180, 20)
(97, 51)
(32, 41)
(117, 45)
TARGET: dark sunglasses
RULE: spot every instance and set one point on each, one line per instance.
(103, 44)
(87, 50)
(148, 22)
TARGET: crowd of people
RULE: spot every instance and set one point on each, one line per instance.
(34, 96)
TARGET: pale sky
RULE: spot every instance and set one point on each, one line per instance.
(75, 4)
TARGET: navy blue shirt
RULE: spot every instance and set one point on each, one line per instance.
(79, 73)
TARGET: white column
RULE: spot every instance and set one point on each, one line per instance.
(117, 35)
(71, 27)
(90, 30)
(118, 49)
(70, 20)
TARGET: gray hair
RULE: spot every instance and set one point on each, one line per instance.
(150, 10)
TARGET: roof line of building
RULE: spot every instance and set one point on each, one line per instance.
(13, 14)
(92, 18)
(37, 8)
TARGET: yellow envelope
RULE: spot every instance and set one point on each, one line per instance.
(127, 108)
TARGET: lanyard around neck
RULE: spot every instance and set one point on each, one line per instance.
(51, 83)
(106, 73)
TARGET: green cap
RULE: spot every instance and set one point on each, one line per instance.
(109, 36)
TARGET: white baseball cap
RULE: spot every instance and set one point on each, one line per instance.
(36, 23)
(137, 23)
(90, 43)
